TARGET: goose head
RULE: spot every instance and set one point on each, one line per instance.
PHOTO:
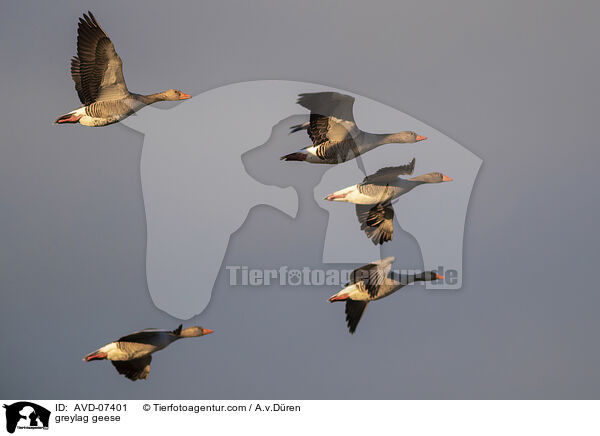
(174, 95)
(432, 178)
(193, 332)
(428, 276)
(406, 137)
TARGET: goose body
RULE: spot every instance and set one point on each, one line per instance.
(373, 198)
(372, 282)
(334, 134)
(131, 355)
(97, 71)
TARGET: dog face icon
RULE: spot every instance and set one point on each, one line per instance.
(26, 414)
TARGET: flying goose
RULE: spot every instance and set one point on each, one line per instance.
(372, 282)
(97, 71)
(373, 198)
(131, 355)
(334, 133)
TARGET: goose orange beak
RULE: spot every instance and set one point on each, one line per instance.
(184, 96)
(421, 138)
(446, 179)
(207, 331)
(439, 277)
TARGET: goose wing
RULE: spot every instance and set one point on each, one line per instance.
(354, 312)
(388, 174)
(377, 221)
(135, 369)
(340, 151)
(372, 275)
(146, 336)
(331, 116)
(97, 70)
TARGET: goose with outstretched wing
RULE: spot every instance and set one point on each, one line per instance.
(371, 282)
(333, 131)
(97, 71)
(131, 355)
(373, 198)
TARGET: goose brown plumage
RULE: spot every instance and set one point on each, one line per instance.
(131, 355)
(373, 198)
(371, 282)
(97, 71)
(334, 134)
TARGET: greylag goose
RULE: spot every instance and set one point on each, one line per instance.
(373, 198)
(333, 131)
(97, 71)
(372, 282)
(131, 355)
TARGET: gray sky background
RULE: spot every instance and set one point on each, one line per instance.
(191, 209)
(514, 82)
